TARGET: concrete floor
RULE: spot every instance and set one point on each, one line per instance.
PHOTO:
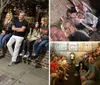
(21, 74)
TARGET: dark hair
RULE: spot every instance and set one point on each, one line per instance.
(72, 10)
(72, 53)
(80, 13)
(22, 12)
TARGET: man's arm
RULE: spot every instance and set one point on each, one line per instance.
(13, 28)
(87, 74)
(92, 76)
(19, 29)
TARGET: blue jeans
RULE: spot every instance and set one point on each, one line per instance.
(47, 46)
(38, 46)
(3, 39)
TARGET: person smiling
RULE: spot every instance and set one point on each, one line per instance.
(19, 27)
(74, 34)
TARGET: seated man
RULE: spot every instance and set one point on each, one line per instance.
(19, 28)
(56, 34)
(54, 71)
(74, 34)
(92, 77)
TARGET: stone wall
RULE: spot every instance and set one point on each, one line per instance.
(58, 8)
(43, 61)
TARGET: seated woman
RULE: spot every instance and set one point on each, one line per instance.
(81, 67)
(81, 6)
(6, 31)
(44, 38)
(32, 36)
(63, 64)
(72, 15)
(47, 46)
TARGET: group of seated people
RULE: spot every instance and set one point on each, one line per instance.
(92, 75)
(58, 67)
(17, 31)
(95, 54)
(79, 24)
(85, 68)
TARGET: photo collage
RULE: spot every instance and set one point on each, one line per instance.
(49, 42)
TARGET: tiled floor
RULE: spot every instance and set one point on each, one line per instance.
(21, 74)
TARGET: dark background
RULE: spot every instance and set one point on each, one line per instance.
(96, 5)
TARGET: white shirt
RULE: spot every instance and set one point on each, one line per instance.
(63, 62)
(89, 19)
